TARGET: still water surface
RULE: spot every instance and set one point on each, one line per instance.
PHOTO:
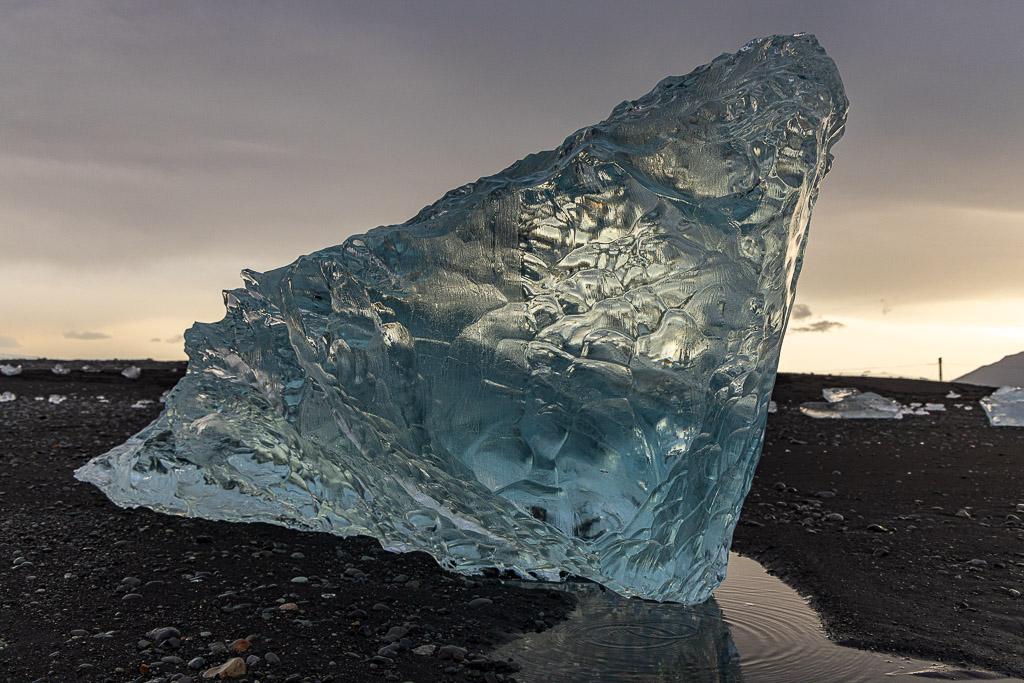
(756, 628)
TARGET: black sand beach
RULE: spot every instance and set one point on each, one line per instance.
(927, 560)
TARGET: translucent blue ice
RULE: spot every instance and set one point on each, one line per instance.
(561, 368)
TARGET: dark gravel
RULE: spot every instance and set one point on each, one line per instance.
(93, 592)
(905, 533)
(928, 556)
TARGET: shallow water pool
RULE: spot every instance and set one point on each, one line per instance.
(756, 628)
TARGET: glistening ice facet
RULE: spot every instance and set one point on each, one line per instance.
(562, 368)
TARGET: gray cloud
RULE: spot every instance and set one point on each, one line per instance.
(86, 336)
(8, 342)
(263, 132)
(820, 326)
(801, 311)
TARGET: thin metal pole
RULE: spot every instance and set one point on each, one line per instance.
(940, 368)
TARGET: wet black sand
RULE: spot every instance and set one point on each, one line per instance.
(925, 581)
(95, 580)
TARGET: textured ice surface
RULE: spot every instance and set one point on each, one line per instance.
(1005, 407)
(850, 404)
(10, 370)
(561, 368)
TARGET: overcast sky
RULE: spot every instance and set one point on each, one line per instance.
(151, 150)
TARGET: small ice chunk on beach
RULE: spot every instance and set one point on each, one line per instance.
(952, 394)
(89, 368)
(132, 372)
(59, 369)
(7, 397)
(1005, 407)
(773, 407)
(142, 403)
(836, 394)
(911, 410)
(57, 399)
(10, 370)
(850, 404)
(935, 407)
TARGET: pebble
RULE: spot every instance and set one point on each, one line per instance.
(395, 633)
(834, 517)
(252, 661)
(159, 635)
(825, 494)
(1013, 592)
(424, 650)
(240, 645)
(230, 669)
(271, 658)
(452, 652)
(131, 597)
(480, 602)
(962, 513)
(877, 528)
(288, 607)
(196, 663)
(300, 579)
(977, 563)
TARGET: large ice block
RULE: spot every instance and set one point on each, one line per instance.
(563, 368)
(1005, 407)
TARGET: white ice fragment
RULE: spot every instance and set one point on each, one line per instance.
(850, 404)
(7, 397)
(10, 370)
(132, 372)
(89, 368)
(835, 394)
(103, 399)
(910, 410)
(968, 407)
(952, 394)
(59, 369)
(773, 407)
(1005, 407)
(142, 403)
(57, 399)
(935, 407)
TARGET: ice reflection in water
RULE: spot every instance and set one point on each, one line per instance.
(755, 629)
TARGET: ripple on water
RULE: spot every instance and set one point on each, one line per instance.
(755, 629)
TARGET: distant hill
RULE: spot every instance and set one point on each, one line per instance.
(1008, 371)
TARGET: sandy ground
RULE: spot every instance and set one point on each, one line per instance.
(925, 561)
(929, 557)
